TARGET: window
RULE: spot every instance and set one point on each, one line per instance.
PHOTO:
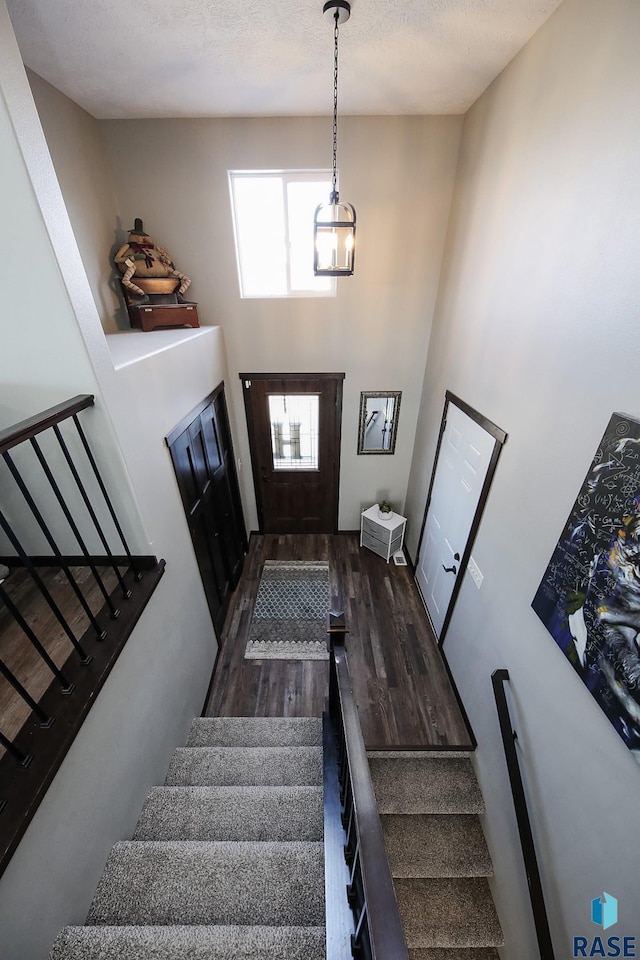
(294, 431)
(273, 223)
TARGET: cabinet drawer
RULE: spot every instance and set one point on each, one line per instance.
(396, 543)
(380, 548)
(375, 530)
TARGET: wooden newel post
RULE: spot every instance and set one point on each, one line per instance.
(336, 630)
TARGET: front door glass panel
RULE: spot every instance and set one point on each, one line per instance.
(294, 420)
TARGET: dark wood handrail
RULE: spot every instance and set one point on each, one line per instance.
(385, 926)
(536, 894)
(380, 912)
(32, 426)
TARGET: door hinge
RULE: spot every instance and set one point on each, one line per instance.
(247, 384)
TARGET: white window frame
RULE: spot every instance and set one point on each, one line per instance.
(286, 176)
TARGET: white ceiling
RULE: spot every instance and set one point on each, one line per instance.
(192, 58)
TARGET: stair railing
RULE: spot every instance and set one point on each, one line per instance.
(370, 892)
(536, 894)
(53, 493)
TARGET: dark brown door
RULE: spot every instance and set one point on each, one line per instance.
(294, 433)
(202, 456)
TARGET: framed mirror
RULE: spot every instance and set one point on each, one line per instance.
(379, 411)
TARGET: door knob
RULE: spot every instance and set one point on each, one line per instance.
(452, 569)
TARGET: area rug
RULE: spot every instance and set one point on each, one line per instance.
(289, 618)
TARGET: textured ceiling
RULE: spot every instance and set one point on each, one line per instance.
(177, 58)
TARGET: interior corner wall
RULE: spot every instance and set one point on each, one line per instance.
(536, 326)
(74, 141)
(399, 174)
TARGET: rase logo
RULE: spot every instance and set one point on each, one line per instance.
(604, 913)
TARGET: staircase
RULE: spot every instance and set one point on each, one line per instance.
(429, 806)
(227, 858)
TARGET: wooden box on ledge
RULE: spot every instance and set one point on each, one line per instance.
(151, 316)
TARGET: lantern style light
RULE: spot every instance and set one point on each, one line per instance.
(334, 223)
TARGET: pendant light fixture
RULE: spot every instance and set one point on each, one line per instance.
(334, 223)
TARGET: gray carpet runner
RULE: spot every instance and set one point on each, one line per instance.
(429, 806)
(227, 858)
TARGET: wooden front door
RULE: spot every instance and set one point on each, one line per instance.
(294, 425)
(203, 460)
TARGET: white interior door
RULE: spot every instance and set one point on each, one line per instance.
(463, 461)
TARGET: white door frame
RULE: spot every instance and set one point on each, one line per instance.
(499, 437)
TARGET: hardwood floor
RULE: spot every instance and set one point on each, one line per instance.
(15, 649)
(404, 695)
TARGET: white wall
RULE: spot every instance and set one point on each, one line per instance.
(397, 171)
(537, 327)
(53, 346)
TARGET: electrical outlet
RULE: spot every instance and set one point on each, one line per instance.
(475, 572)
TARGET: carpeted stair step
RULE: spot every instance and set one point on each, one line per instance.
(232, 813)
(448, 912)
(190, 943)
(197, 882)
(245, 766)
(427, 784)
(436, 845)
(452, 953)
(255, 732)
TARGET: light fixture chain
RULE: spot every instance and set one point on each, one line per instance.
(335, 105)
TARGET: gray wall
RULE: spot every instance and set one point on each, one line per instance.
(536, 326)
(399, 174)
(75, 143)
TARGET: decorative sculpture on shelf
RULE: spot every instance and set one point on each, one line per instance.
(152, 267)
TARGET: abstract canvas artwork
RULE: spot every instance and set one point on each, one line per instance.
(589, 597)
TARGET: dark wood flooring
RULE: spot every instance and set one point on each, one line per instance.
(402, 688)
(15, 649)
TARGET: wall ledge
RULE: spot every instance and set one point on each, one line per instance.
(133, 346)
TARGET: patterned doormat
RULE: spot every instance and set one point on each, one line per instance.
(289, 616)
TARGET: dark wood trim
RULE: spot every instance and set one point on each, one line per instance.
(253, 453)
(339, 918)
(188, 419)
(500, 437)
(496, 432)
(477, 519)
(212, 678)
(534, 883)
(23, 788)
(386, 934)
(32, 426)
(338, 448)
(147, 562)
(291, 376)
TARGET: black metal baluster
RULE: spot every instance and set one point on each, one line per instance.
(126, 593)
(65, 509)
(45, 721)
(100, 632)
(67, 687)
(27, 562)
(107, 499)
(24, 759)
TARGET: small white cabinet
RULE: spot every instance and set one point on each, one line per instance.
(384, 537)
